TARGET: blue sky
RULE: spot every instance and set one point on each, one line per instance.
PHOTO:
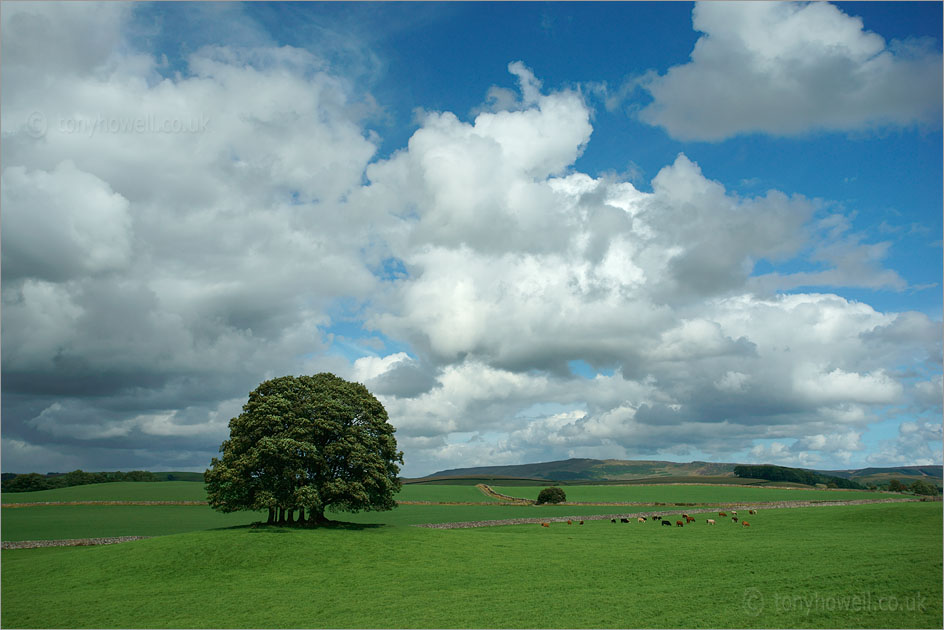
(534, 230)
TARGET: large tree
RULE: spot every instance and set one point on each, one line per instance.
(307, 443)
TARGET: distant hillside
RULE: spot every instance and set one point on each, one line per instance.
(594, 469)
(880, 476)
(575, 470)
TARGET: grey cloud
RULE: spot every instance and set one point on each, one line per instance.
(404, 380)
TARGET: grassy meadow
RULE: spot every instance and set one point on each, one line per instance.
(690, 494)
(446, 494)
(117, 491)
(96, 521)
(195, 491)
(839, 566)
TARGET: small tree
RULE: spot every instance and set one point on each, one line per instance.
(896, 486)
(307, 443)
(551, 495)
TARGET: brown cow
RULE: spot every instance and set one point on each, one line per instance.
(722, 513)
(679, 524)
(685, 516)
(545, 524)
(745, 524)
(711, 521)
(752, 511)
(570, 522)
(689, 519)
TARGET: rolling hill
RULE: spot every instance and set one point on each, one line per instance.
(878, 476)
(594, 470)
(609, 470)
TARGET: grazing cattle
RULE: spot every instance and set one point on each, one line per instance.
(545, 524)
(734, 518)
(722, 513)
(612, 520)
(685, 516)
(624, 520)
(669, 523)
(689, 519)
(733, 513)
(641, 519)
(745, 524)
(752, 511)
(581, 522)
(679, 524)
(570, 522)
(711, 521)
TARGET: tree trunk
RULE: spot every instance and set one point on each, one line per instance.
(281, 515)
(301, 515)
(291, 516)
(271, 516)
(316, 516)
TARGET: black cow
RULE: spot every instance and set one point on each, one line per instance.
(624, 520)
(669, 523)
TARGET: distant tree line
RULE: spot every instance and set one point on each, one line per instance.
(34, 481)
(918, 487)
(794, 475)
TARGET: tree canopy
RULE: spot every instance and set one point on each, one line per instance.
(307, 443)
(551, 495)
(795, 475)
(924, 488)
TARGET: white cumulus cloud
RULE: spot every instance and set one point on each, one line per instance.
(788, 68)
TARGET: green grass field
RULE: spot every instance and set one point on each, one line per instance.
(117, 491)
(435, 492)
(690, 494)
(195, 491)
(94, 521)
(853, 566)
(90, 521)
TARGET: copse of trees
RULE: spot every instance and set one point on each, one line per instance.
(794, 475)
(924, 488)
(896, 486)
(551, 495)
(34, 481)
(306, 444)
